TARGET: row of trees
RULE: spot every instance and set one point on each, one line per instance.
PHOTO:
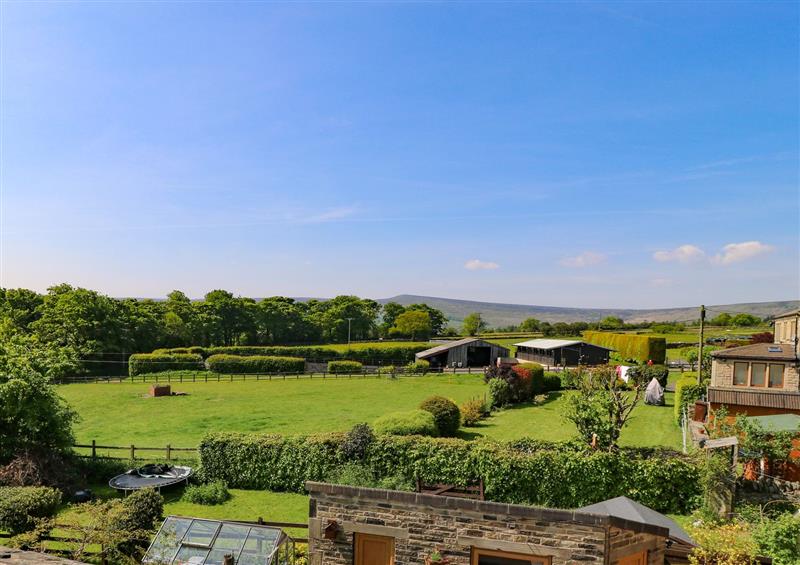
(91, 324)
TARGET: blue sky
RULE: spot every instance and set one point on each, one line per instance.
(588, 154)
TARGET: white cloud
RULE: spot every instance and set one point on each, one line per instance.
(736, 252)
(585, 259)
(684, 254)
(478, 265)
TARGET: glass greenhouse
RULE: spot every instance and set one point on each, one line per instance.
(198, 541)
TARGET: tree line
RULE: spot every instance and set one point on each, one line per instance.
(93, 324)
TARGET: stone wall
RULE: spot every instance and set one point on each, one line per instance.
(421, 524)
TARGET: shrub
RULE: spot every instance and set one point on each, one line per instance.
(21, 506)
(445, 413)
(687, 391)
(418, 367)
(551, 382)
(345, 367)
(571, 378)
(215, 492)
(357, 441)
(228, 364)
(779, 538)
(518, 379)
(472, 411)
(413, 422)
(142, 509)
(647, 373)
(559, 475)
(142, 363)
(387, 370)
(536, 375)
(636, 347)
(499, 393)
(352, 474)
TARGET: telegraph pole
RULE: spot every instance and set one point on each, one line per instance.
(700, 344)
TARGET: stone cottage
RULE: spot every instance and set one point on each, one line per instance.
(365, 526)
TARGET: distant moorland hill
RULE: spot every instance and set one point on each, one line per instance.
(497, 315)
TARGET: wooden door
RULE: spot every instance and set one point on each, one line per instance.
(635, 559)
(373, 550)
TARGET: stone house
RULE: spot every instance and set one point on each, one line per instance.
(787, 329)
(364, 526)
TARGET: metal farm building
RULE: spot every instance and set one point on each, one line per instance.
(562, 352)
(469, 352)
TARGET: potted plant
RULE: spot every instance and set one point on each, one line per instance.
(436, 557)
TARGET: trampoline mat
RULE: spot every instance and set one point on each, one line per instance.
(134, 480)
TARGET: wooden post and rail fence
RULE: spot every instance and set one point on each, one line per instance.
(168, 450)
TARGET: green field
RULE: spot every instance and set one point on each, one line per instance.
(123, 414)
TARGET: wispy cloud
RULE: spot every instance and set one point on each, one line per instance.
(478, 265)
(725, 163)
(731, 253)
(585, 259)
(687, 253)
(330, 215)
(737, 252)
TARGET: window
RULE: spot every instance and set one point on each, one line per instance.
(491, 557)
(776, 375)
(740, 374)
(758, 374)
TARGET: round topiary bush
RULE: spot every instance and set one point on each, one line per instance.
(445, 413)
(414, 422)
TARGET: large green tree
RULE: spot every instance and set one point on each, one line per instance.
(415, 324)
(473, 324)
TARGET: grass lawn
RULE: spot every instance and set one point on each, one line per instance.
(122, 414)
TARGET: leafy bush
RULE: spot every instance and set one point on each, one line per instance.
(228, 364)
(356, 442)
(352, 474)
(779, 538)
(535, 373)
(629, 346)
(647, 373)
(413, 422)
(687, 391)
(215, 492)
(419, 367)
(141, 363)
(345, 367)
(142, 509)
(21, 506)
(472, 411)
(551, 382)
(387, 370)
(445, 413)
(571, 378)
(551, 474)
(520, 384)
(499, 393)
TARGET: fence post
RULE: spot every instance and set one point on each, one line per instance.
(169, 452)
(133, 452)
(94, 449)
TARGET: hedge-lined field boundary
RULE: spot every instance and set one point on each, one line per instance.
(237, 364)
(366, 353)
(143, 363)
(555, 475)
(643, 348)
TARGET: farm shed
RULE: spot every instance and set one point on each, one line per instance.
(562, 352)
(469, 352)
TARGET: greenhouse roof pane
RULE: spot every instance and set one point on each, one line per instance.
(194, 541)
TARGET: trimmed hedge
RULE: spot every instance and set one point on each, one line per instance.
(640, 347)
(556, 475)
(687, 391)
(345, 367)
(141, 363)
(21, 506)
(410, 423)
(367, 353)
(228, 364)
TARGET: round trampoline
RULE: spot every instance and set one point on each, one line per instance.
(150, 476)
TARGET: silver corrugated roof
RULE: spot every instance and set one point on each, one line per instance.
(547, 343)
